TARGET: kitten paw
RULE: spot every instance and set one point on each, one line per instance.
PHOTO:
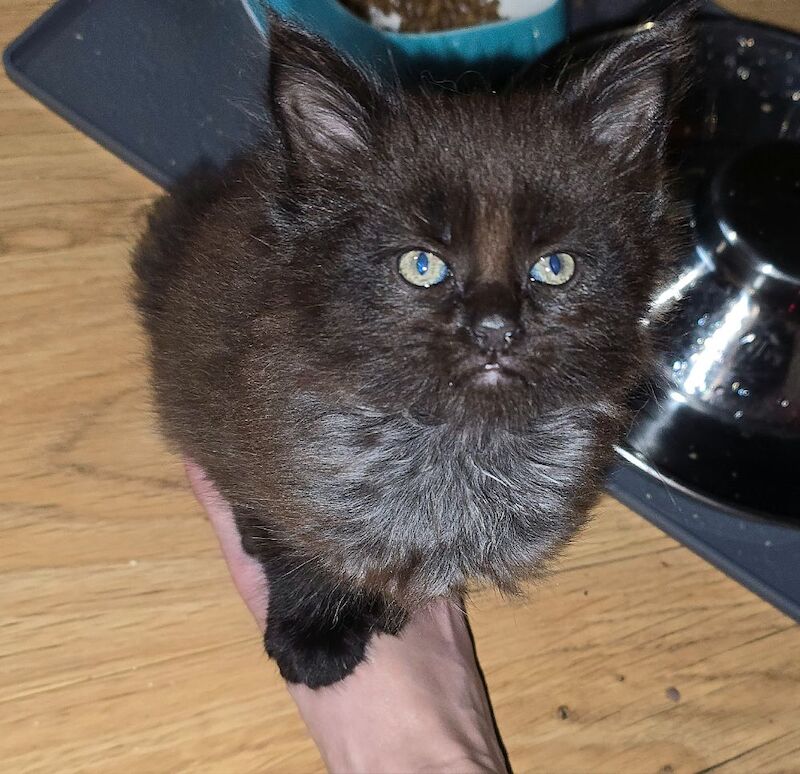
(315, 658)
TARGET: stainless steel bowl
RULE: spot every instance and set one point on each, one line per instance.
(735, 336)
(722, 419)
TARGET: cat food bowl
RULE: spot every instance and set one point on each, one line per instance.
(724, 421)
(533, 28)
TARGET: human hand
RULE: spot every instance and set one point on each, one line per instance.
(416, 704)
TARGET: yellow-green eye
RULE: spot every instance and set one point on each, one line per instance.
(553, 269)
(422, 269)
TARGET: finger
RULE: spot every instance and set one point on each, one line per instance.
(247, 573)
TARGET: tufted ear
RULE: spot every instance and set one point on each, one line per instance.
(628, 91)
(321, 101)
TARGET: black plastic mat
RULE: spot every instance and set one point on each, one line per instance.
(164, 84)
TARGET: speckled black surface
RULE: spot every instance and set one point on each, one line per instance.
(167, 85)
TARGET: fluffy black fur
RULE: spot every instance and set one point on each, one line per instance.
(348, 416)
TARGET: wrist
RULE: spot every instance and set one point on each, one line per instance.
(417, 704)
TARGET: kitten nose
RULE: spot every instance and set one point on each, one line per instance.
(494, 332)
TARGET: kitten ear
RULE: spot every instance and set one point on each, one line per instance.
(628, 91)
(321, 101)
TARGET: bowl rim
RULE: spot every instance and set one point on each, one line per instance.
(651, 469)
(555, 6)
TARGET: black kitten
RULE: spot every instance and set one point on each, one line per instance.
(399, 334)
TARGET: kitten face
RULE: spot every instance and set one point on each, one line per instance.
(489, 186)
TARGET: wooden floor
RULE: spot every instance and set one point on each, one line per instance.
(122, 651)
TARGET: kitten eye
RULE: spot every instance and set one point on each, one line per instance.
(422, 269)
(553, 269)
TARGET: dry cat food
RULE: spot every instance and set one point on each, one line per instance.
(428, 15)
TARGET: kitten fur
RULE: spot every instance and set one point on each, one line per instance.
(347, 416)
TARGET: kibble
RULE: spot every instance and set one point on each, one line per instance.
(428, 15)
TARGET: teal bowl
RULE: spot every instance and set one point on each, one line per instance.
(490, 49)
